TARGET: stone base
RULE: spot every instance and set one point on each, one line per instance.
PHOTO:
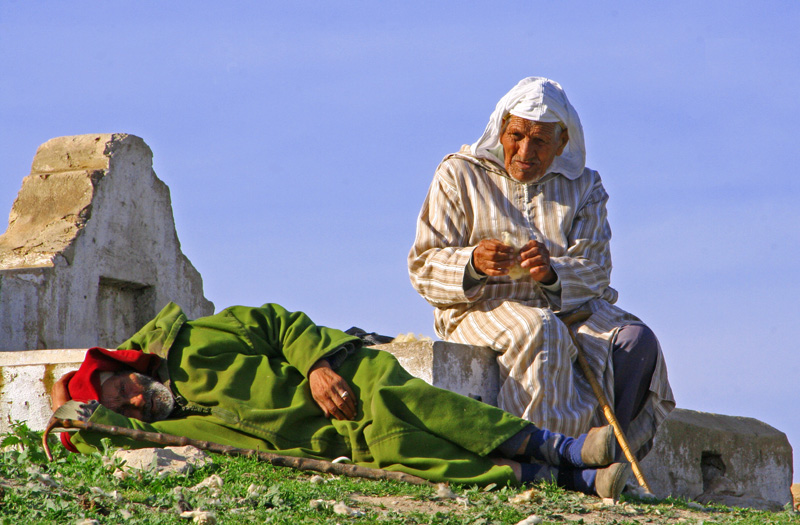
(711, 458)
(468, 370)
(26, 379)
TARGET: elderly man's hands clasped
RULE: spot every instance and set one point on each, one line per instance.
(492, 257)
(332, 393)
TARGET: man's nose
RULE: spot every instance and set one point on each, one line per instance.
(526, 149)
(137, 401)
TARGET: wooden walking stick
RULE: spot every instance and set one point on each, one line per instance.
(316, 465)
(577, 317)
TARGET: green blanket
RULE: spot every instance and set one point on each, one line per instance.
(240, 379)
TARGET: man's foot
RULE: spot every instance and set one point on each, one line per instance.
(605, 482)
(598, 447)
(609, 482)
(593, 449)
(529, 472)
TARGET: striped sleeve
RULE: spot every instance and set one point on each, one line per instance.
(585, 270)
(437, 262)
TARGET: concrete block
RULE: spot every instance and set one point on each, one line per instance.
(26, 379)
(91, 252)
(734, 461)
(469, 370)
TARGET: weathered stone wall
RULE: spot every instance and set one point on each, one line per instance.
(91, 252)
(26, 379)
(713, 458)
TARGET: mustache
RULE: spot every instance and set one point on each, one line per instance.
(159, 401)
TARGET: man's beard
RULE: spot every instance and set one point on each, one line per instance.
(159, 402)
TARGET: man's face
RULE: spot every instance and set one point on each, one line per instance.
(137, 396)
(530, 147)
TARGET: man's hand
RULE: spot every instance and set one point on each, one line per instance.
(331, 392)
(535, 257)
(59, 394)
(492, 257)
(87, 409)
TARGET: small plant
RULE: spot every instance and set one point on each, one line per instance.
(25, 441)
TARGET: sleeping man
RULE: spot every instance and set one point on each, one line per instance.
(271, 380)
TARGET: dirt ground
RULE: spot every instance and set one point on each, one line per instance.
(592, 511)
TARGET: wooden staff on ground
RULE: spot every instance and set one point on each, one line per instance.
(316, 465)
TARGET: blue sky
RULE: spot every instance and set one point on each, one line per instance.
(299, 139)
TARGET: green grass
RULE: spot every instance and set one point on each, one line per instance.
(75, 487)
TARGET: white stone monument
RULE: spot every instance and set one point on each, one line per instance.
(91, 252)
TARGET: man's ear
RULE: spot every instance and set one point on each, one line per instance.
(564, 138)
(59, 394)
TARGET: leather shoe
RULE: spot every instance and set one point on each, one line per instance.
(599, 447)
(610, 481)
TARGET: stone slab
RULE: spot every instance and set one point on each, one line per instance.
(734, 461)
(469, 370)
(26, 379)
(52, 356)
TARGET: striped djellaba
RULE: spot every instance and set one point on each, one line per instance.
(471, 199)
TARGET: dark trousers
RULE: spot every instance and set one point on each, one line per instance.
(634, 354)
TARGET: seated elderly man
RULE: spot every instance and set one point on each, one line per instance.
(268, 379)
(512, 241)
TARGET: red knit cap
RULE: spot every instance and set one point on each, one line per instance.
(85, 384)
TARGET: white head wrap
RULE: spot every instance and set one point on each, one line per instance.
(105, 376)
(542, 100)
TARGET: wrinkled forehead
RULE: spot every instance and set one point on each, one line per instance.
(531, 127)
(115, 385)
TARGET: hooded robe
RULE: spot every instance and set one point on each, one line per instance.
(240, 378)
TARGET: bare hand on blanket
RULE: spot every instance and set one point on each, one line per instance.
(332, 393)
